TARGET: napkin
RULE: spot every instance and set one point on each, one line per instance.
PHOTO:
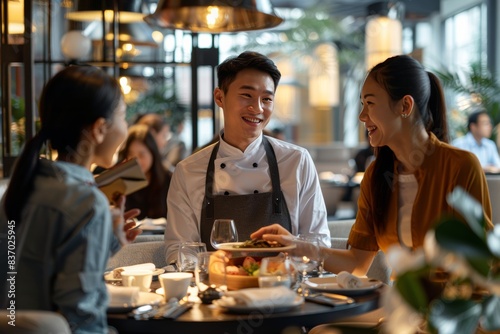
(348, 281)
(117, 273)
(122, 295)
(154, 221)
(261, 297)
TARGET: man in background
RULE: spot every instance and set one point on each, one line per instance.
(477, 141)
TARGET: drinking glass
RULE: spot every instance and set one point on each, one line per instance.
(210, 276)
(188, 255)
(307, 255)
(223, 231)
(276, 271)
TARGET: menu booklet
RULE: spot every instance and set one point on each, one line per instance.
(122, 179)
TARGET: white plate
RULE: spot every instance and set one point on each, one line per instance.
(145, 298)
(108, 276)
(230, 246)
(329, 284)
(247, 309)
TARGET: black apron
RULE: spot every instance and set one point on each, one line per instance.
(249, 212)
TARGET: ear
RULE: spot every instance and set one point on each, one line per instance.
(408, 104)
(98, 129)
(219, 96)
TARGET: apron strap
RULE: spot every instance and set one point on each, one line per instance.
(209, 184)
(275, 174)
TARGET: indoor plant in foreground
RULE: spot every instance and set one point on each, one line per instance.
(452, 284)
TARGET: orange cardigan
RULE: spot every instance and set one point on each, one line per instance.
(443, 168)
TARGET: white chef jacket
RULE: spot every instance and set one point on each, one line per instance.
(244, 173)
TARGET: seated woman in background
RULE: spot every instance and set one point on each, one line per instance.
(404, 189)
(65, 230)
(151, 200)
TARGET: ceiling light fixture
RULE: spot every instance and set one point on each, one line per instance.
(91, 10)
(214, 16)
(383, 33)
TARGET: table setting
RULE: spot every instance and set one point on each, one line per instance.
(241, 279)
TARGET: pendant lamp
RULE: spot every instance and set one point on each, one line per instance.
(214, 16)
(91, 10)
(16, 17)
(383, 33)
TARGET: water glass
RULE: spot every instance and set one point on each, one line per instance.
(276, 271)
(188, 255)
(223, 231)
(210, 275)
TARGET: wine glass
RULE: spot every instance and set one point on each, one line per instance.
(307, 255)
(223, 231)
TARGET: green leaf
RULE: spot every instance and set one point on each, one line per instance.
(482, 266)
(493, 240)
(410, 288)
(469, 208)
(454, 235)
(457, 316)
(491, 313)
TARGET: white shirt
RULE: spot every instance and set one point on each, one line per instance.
(298, 178)
(408, 187)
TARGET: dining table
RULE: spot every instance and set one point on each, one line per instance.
(209, 318)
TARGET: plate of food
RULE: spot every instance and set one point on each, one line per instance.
(330, 284)
(255, 245)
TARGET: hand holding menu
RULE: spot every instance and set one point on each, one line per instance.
(123, 179)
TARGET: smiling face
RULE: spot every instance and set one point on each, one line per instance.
(248, 105)
(382, 117)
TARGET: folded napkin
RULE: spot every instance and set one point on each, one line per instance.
(122, 295)
(117, 273)
(154, 221)
(261, 297)
(348, 281)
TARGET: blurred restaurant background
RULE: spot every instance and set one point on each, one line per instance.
(164, 54)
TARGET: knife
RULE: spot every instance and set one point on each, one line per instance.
(176, 311)
(330, 299)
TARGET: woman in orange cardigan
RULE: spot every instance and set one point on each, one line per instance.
(404, 190)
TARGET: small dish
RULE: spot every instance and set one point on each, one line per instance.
(231, 247)
(145, 298)
(232, 308)
(329, 284)
(108, 276)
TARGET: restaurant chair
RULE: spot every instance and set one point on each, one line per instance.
(140, 252)
(34, 322)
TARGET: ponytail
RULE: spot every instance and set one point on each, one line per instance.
(21, 182)
(437, 110)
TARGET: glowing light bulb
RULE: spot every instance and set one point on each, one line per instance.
(214, 17)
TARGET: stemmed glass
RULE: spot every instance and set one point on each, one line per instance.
(307, 255)
(223, 231)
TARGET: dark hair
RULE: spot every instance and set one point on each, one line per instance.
(229, 68)
(158, 174)
(70, 102)
(142, 133)
(154, 121)
(400, 76)
(474, 117)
